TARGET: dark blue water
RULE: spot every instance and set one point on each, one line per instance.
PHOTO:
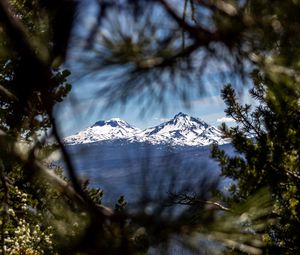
(136, 170)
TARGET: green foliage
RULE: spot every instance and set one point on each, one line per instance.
(20, 118)
(121, 204)
(38, 218)
(25, 99)
(22, 229)
(33, 213)
(267, 141)
(32, 15)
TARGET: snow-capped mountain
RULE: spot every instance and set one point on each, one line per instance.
(181, 130)
(103, 130)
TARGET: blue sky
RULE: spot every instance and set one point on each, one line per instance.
(83, 107)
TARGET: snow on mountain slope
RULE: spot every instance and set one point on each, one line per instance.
(181, 130)
(102, 131)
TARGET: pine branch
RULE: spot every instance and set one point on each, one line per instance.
(19, 36)
(200, 34)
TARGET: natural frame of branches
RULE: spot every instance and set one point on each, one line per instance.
(147, 50)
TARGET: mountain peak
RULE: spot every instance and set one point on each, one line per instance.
(102, 130)
(184, 130)
(114, 122)
(180, 114)
(184, 121)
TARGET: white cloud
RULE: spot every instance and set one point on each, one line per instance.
(225, 119)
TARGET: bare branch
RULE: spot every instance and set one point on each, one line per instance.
(220, 6)
(8, 93)
(184, 199)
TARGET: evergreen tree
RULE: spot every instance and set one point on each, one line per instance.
(25, 98)
(266, 139)
(27, 199)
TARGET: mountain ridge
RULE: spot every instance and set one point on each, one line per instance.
(181, 130)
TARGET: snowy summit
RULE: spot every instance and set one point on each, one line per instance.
(181, 130)
(103, 130)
